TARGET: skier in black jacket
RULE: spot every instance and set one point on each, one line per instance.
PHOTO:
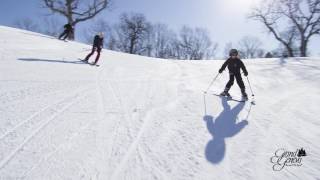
(234, 64)
(97, 46)
(67, 31)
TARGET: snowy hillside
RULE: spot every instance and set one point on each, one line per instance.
(141, 118)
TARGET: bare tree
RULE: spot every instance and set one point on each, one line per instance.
(132, 32)
(195, 44)
(250, 47)
(290, 35)
(305, 20)
(162, 39)
(303, 17)
(76, 11)
(270, 19)
(176, 51)
(112, 43)
(27, 24)
(135, 35)
(51, 26)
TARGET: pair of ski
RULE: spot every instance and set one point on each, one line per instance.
(230, 98)
(86, 62)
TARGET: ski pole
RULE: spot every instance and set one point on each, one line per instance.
(213, 80)
(250, 86)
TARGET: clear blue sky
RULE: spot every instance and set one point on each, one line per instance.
(225, 19)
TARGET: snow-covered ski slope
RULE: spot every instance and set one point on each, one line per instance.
(142, 118)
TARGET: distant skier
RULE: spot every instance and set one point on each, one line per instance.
(234, 64)
(67, 31)
(97, 46)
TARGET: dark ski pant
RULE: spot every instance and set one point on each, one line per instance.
(64, 34)
(239, 82)
(91, 53)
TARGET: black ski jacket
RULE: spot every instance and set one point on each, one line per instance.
(98, 41)
(68, 27)
(234, 66)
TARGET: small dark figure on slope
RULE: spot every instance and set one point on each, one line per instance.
(68, 29)
(97, 46)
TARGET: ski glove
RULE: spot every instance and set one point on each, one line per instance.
(245, 73)
(220, 70)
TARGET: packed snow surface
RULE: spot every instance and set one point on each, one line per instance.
(143, 118)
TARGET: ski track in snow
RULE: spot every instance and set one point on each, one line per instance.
(34, 132)
(134, 144)
(140, 118)
(34, 115)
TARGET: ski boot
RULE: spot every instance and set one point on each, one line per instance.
(244, 95)
(94, 64)
(85, 60)
(226, 93)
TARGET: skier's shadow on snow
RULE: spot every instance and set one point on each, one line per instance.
(50, 60)
(223, 126)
